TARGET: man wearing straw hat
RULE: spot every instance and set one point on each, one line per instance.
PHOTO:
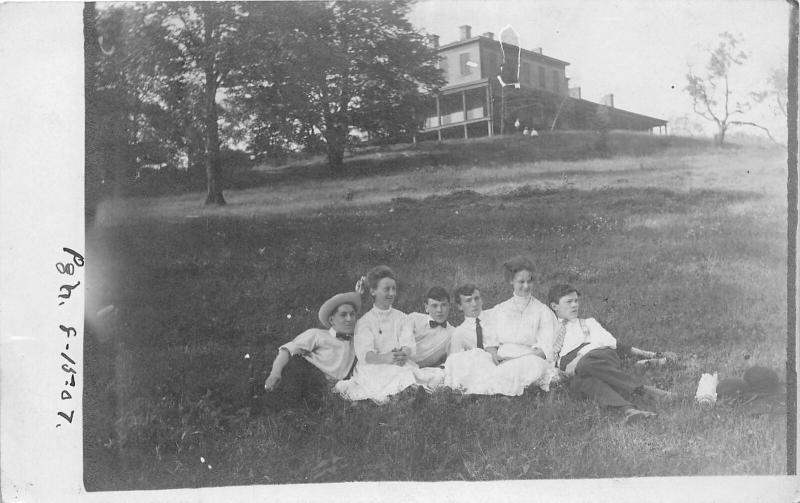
(306, 366)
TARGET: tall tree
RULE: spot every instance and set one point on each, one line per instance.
(713, 94)
(344, 64)
(145, 102)
(211, 39)
(121, 92)
(179, 59)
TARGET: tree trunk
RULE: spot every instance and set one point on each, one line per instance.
(719, 138)
(213, 175)
(335, 139)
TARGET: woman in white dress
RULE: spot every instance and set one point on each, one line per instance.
(523, 330)
(473, 370)
(384, 344)
(522, 324)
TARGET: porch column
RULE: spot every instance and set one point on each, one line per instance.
(464, 106)
(438, 120)
(489, 110)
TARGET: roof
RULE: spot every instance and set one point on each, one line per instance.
(496, 43)
(621, 112)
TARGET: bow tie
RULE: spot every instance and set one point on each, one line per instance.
(344, 336)
(435, 324)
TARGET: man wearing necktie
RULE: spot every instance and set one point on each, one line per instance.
(470, 334)
(474, 370)
(307, 365)
(431, 330)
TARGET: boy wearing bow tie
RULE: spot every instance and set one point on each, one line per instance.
(432, 331)
(306, 365)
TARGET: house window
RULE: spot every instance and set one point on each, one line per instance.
(465, 63)
(525, 74)
(542, 78)
(556, 81)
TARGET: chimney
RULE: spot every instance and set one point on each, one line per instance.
(465, 32)
(434, 41)
(608, 100)
(538, 49)
(488, 35)
(575, 92)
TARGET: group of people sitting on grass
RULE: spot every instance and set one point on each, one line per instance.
(517, 344)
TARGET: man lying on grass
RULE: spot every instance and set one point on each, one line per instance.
(305, 366)
(431, 330)
(586, 353)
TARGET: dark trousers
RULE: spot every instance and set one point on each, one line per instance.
(302, 385)
(598, 376)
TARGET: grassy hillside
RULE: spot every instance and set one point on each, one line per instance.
(395, 159)
(682, 249)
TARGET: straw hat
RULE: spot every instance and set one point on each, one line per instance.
(331, 305)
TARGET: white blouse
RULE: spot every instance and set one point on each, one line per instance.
(382, 331)
(524, 321)
(597, 337)
(465, 336)
(431, 343)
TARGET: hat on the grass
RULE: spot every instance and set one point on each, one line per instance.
(331, 305)
(761, 379)
(732, 388)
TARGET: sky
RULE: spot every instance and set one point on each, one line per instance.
(639, 50)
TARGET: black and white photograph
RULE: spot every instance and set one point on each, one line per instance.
(339, 249)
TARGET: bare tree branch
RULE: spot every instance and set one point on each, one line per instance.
(753, 124)
(712, 96)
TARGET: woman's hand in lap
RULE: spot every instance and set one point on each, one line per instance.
(399, 357)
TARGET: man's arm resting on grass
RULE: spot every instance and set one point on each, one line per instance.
(277, 367)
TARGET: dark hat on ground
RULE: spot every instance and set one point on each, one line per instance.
(330, 305)
(761, 379)
(732, 387)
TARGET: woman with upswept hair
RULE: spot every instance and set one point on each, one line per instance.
(384, 345)
(522, 324)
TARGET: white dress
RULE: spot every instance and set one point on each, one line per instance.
(521, 324)
(472, 371)
(381, 332)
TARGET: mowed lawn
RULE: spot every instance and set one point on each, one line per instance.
(681, 250)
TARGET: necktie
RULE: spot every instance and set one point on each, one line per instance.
(344, 336)
(435, 324)
(479, 333)
(558, 343)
